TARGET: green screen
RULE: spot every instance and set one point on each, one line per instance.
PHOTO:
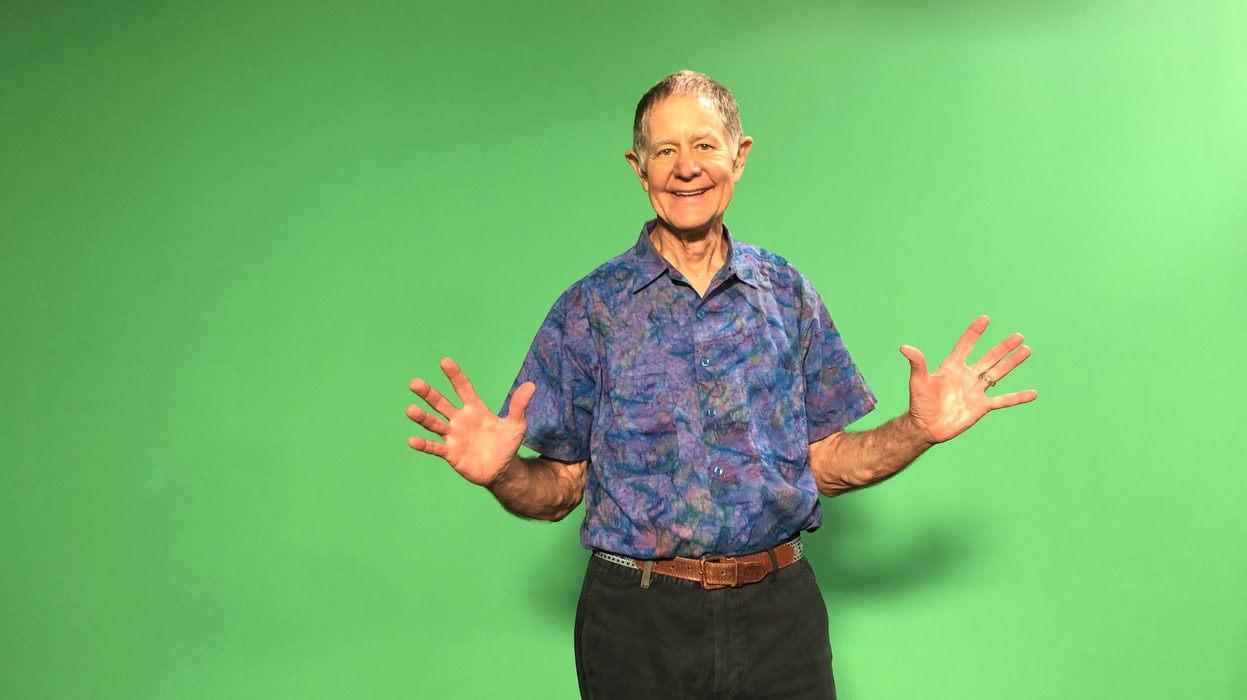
(232, 234)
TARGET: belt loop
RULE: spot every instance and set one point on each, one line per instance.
(645, 573)
(774, 564)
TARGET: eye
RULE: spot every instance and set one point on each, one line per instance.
(703, 147)
(666, 151)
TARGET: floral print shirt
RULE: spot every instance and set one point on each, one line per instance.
(695, 413)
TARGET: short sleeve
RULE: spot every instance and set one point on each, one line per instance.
(835, 392)
(560, 363)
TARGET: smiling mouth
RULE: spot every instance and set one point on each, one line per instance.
(693, 193)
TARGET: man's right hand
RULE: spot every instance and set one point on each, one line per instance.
(476, 443)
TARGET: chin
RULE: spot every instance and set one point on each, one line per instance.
(685, 225)
(687, 222)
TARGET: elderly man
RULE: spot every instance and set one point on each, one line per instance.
(694, 392)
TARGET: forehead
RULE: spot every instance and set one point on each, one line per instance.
(683, 116)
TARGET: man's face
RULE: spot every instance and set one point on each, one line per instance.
(690, 170)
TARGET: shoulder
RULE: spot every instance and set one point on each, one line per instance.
(763, 258)
(775, 272)
(609, 283)
(612, 278)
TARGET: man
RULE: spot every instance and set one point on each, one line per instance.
(694, 392)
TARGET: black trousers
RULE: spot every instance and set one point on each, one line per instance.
(677, 640)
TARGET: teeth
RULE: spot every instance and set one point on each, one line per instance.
(689, 194)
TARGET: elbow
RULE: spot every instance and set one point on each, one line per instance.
(834, 487)
(556, 514)
(830, 477)
(832, 492)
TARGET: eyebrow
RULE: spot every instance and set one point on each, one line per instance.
(704, 133)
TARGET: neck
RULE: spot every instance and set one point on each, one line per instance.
(697, 254)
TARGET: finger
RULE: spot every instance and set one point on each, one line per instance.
(427, 446)
(1006, 365)
(459, 381)
(917, 362)
(991, 357)
(433, 397)
(519, 401)
(1007, 400)
(966, 343)
(427, 420)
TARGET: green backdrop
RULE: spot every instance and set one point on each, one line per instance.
(233, 233)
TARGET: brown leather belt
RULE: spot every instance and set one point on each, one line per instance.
(714, 572)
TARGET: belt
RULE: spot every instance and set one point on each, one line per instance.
(714, 572)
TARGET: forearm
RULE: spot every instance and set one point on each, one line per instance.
(540, 488)
(847, 461)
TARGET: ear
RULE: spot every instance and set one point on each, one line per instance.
(738, 165)
(635, 161)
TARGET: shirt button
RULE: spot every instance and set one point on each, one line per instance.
(718, 471)
(701, 313)
(711, 412)
(705, 362)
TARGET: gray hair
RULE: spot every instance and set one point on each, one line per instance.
(687, 82)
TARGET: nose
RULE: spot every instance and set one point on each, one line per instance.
(687, 168)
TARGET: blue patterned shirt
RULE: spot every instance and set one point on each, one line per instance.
(695, 413)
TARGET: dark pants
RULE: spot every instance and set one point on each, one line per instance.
(677, 640)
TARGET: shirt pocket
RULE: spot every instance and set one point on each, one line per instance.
(640, 436)
(777, 417)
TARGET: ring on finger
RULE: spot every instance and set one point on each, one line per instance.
(990, 382)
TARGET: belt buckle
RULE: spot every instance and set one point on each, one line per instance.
(735, 583)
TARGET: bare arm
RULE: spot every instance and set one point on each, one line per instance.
(484, 449)
(846, 461)
(540, 488)
(942, 405)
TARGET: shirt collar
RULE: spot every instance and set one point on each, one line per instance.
(651, 264)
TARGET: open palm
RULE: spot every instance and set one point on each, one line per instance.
(953, 398)
(475, 442)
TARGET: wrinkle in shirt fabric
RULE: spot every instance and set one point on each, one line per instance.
(695, 413)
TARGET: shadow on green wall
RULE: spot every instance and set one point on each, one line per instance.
(858, 554)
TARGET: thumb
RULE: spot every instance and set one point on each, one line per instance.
(519, 401)
(917, 363)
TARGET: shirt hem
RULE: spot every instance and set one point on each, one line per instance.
(823, 430)
(562, 454)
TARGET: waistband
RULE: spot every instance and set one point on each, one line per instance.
(715, 572)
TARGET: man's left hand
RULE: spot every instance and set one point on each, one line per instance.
(954, 397)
